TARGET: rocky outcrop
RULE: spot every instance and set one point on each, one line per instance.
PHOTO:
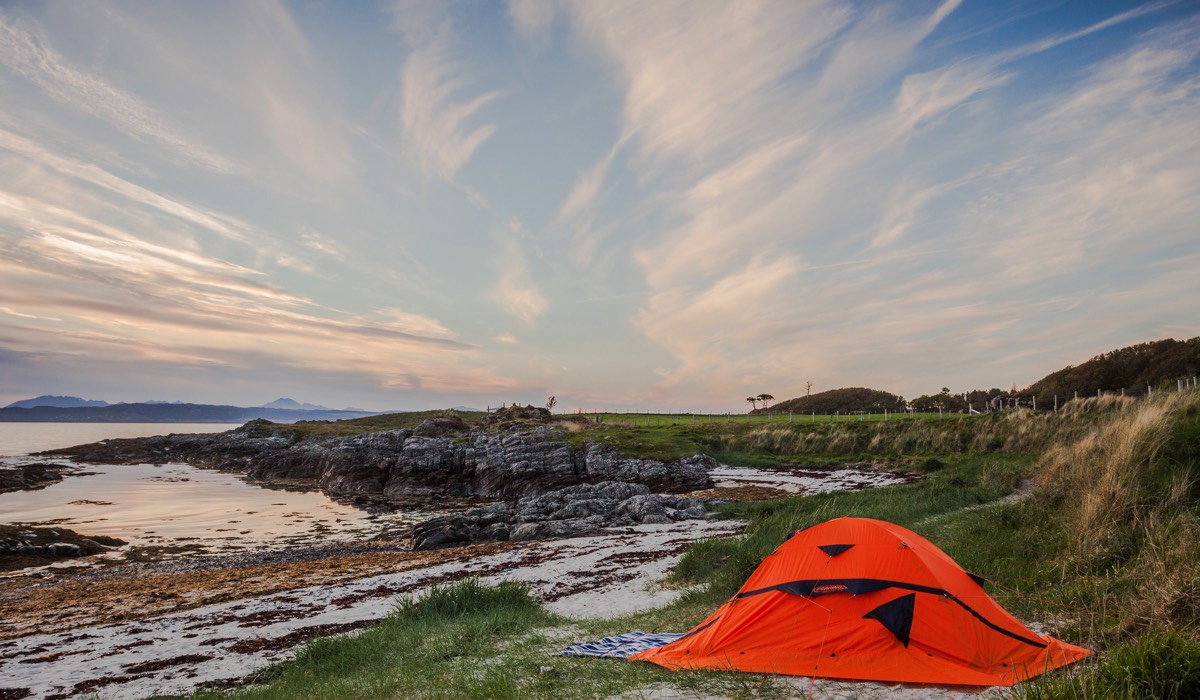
(28, 477)
(22, 546)
(432, 461)
(570, 512)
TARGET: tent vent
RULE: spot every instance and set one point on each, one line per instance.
(834, 549)
(896, 616)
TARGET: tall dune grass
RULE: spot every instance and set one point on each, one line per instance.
(1127, 496)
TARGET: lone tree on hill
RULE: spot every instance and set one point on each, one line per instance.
(808, 388)
(766, 399)
(551, 402)
(753, 400)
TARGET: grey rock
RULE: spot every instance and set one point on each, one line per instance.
(64, 549)
(574, 511)
(396, 464)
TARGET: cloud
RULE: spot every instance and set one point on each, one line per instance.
(826, 152)
(32, 57)
(221, 224)
(436, 122)
(97, 268)
(1096, 166)
(515, 290)
(316, 242)
(506, 339)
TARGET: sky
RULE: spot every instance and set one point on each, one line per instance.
(625, 204)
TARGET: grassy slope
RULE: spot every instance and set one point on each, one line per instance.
(1105, 552)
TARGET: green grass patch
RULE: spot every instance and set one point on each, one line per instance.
(356, 426)
(1151, 667)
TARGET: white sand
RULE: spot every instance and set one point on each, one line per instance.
(601, 576)
(804, 480)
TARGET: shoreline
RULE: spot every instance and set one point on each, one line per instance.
(150, 619)
(177, 632)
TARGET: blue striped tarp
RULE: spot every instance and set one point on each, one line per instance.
(621, 646)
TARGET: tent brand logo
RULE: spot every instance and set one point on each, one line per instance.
(831, 588)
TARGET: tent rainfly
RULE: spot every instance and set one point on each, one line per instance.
(862, 599)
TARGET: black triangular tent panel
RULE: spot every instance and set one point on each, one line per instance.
(896, 616)
(977, 579)
(834, 549)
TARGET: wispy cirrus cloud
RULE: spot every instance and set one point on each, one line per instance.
(811, 151)
(515, 290)
(30, 55)
(439, 124)
(84, 275)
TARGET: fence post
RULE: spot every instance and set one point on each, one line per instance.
(1056, 403)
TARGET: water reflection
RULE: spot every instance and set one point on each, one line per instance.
(160, 505)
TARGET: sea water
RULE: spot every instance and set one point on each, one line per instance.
(25, 438)
(175, 505)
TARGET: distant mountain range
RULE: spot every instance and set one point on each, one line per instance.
(294, 405)
(71, 409)
(57, 402)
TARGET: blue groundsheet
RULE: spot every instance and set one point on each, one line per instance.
(621, 646)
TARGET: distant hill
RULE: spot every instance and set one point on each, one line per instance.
(841, 401)
(56, 402)
(1158, 363)
(293, 405)
(168, 413)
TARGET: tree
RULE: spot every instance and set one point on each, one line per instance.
(765, 398)
(551, 402)
(808, 388)
(753, 400)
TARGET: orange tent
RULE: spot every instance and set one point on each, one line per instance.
(863, 599)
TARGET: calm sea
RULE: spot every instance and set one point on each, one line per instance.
(175, 505)
(24, 438)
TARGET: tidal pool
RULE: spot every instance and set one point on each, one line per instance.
(177, 504)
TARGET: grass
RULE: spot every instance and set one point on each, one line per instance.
(318, 429)
(465, 640)
(903, 440)
(1104, 553)
(1159, 666)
